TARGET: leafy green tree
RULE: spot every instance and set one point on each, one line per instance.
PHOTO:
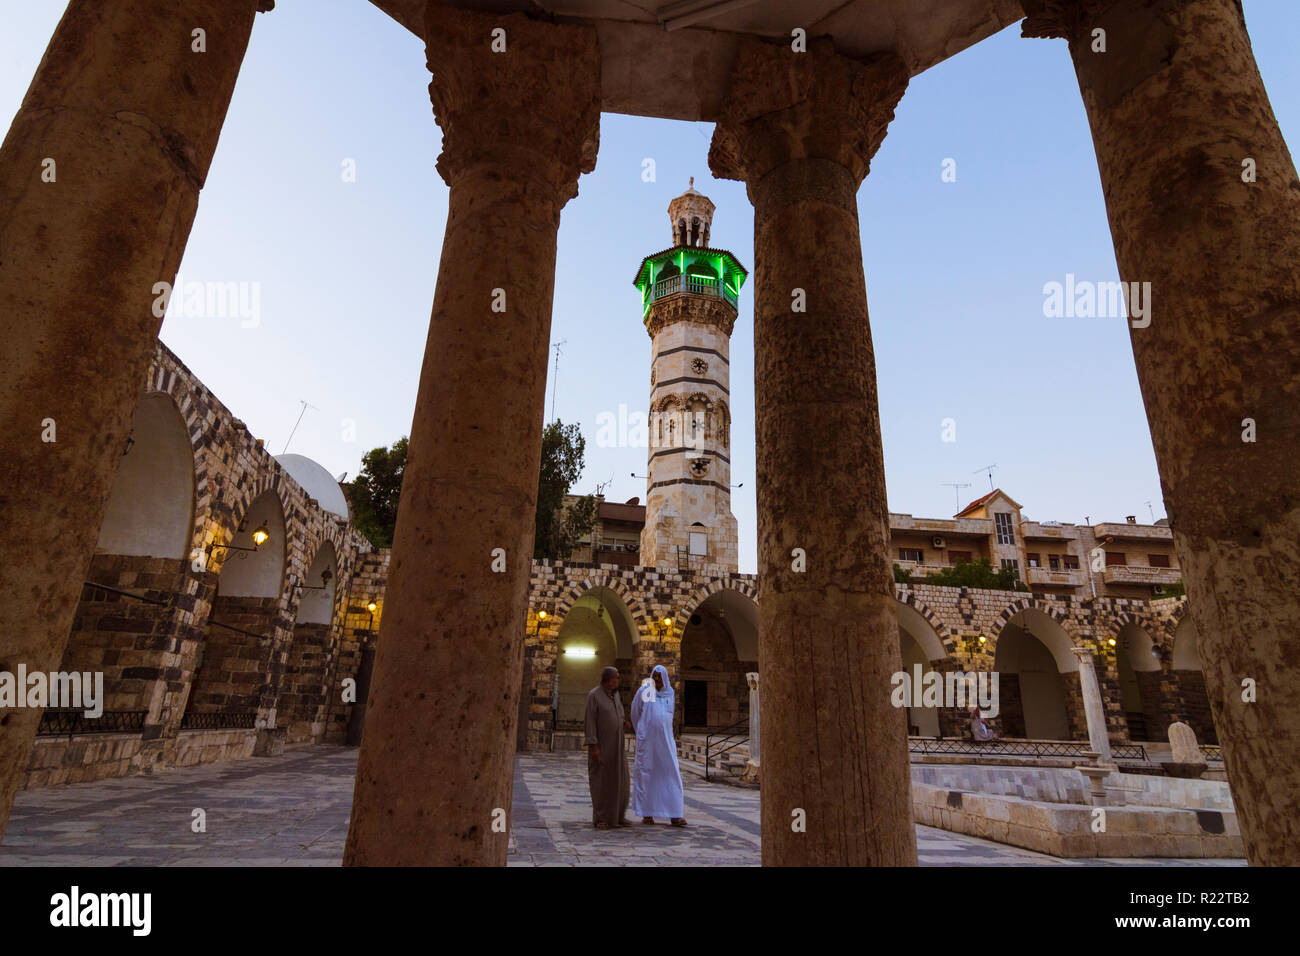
(558, 528)
(374, 494)
(901, 575)
(977, 574)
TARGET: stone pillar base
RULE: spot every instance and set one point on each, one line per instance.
(269, 743)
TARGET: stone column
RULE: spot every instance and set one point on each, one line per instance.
(99, 182)
(754, 754)
(1204, 205)
(1093, 708)
(800, 130)
(436, 765)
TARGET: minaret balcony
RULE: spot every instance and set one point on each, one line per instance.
(693, 285)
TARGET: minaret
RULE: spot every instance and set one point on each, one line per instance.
(688, 303)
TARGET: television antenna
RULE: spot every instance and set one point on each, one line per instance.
(989, 470)
(1152, 512)
(555, 379)
(305, 405)
(955, 486)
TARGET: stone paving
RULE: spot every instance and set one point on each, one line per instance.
(293, 810)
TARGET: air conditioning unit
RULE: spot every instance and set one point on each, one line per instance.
(938, 542)
(631, 547)
(1157, 589)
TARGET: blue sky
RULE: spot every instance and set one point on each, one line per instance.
(955, 271)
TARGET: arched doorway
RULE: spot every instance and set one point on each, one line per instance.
(598, 632)
(1138, 664)
(143, 549)
(232, 673)
(1186, 665)
(719, 647)
(1037, 675)
(919, 644)
(302, 702)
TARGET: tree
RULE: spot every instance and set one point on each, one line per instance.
(977, 574)
(558, 528)
(373, 496)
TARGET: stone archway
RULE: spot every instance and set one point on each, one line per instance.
(1137, 663)
(719, 647)
(142, 549)
(301, 704)
(920, 645)
(1039, 689)
(232, 675)
(1185, 665)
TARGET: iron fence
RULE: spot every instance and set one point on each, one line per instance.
(67, 722)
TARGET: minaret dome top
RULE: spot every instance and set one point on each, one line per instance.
(691, 215)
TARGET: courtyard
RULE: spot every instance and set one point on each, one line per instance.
(292, 810)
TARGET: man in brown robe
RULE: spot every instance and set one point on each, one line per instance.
(606, 761)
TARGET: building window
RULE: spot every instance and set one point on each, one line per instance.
(1032, 558)
(1158, 560)
(1011, 563)
(958, 557)
(1070, 562)
(1054, 562)
(909, 554)
(1115, 558)
(1002, 522)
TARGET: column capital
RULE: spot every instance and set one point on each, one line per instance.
(783, 106)
(1084, 653)
(1057, 19)
(512, 91)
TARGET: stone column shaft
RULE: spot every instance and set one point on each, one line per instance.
(1204, 205)
(800, 130)
(437, 760)
(99, 182)
(1094, 711)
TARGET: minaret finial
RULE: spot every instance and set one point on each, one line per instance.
(691, 185)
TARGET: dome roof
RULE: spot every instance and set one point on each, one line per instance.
(317, 482)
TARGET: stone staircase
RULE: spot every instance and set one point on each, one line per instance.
(690, 754)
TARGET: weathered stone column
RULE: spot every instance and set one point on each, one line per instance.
(1204, 205)
(754, 722)
(437, 760)
(800, 130)
(1094, 711)
(99, 182)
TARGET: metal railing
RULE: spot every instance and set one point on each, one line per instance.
(244, 721)
(62, 722)
(1019, 748)
(692, 285)
(1212, 752)
(728, 739)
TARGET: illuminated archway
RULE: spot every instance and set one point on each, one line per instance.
(597, 632)
(1033, 660)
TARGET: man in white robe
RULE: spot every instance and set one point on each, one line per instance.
(656, 779)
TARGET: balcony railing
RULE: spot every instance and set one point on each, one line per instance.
(1137, 574)
(1067, 577)
(692, 285)
(1133, 532)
